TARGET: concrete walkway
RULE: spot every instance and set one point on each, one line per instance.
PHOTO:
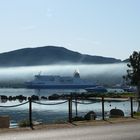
(112, 131)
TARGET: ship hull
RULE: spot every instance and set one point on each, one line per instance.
(32, 86)
(96, 89)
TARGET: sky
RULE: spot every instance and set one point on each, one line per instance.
(109, 28)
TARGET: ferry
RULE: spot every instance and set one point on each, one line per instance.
(59, 82)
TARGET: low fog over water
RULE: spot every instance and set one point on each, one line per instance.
(102, 73)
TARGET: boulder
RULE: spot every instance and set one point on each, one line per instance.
(54, 97)
(91, 115)
(116, 113)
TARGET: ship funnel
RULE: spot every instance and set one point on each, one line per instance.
(76, 74)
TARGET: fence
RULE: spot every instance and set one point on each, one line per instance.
(69, 101)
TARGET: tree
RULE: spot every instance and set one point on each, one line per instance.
(133, 73)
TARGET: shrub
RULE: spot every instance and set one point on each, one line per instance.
(78, 118)
(24, 123)
(137, 113)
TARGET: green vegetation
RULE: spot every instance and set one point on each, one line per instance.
(78, 118)
(133, 73)
(136, 114)
(24, 123)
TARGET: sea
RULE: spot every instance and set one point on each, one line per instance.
(53, 112)
(104, 74)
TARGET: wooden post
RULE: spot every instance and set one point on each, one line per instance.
(76, 110)
(30, 113)
(103, 112)
(70, 109)
(131, 103)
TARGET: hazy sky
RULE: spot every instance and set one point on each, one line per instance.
(97, 27)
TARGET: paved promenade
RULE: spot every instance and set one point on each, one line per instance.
(121, 131)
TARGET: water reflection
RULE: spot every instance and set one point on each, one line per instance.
(55, 113)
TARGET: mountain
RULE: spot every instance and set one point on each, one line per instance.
(126, 60)
(50, 55)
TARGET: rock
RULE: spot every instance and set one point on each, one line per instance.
(35, 97)
(3, 98)
(44, 98)
(54, 97)
(116, 113)
(91, 115)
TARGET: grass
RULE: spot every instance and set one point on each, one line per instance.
(24, 123)
(136, 113)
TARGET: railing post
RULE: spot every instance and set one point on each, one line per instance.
(131, 103)
(70, 109)
(76, 110)
(30, 112)
(103, 114)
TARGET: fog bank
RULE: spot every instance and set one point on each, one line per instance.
(101, 73)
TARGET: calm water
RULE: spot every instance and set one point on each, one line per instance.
(53, 113)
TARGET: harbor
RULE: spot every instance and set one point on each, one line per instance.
(52, 111)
